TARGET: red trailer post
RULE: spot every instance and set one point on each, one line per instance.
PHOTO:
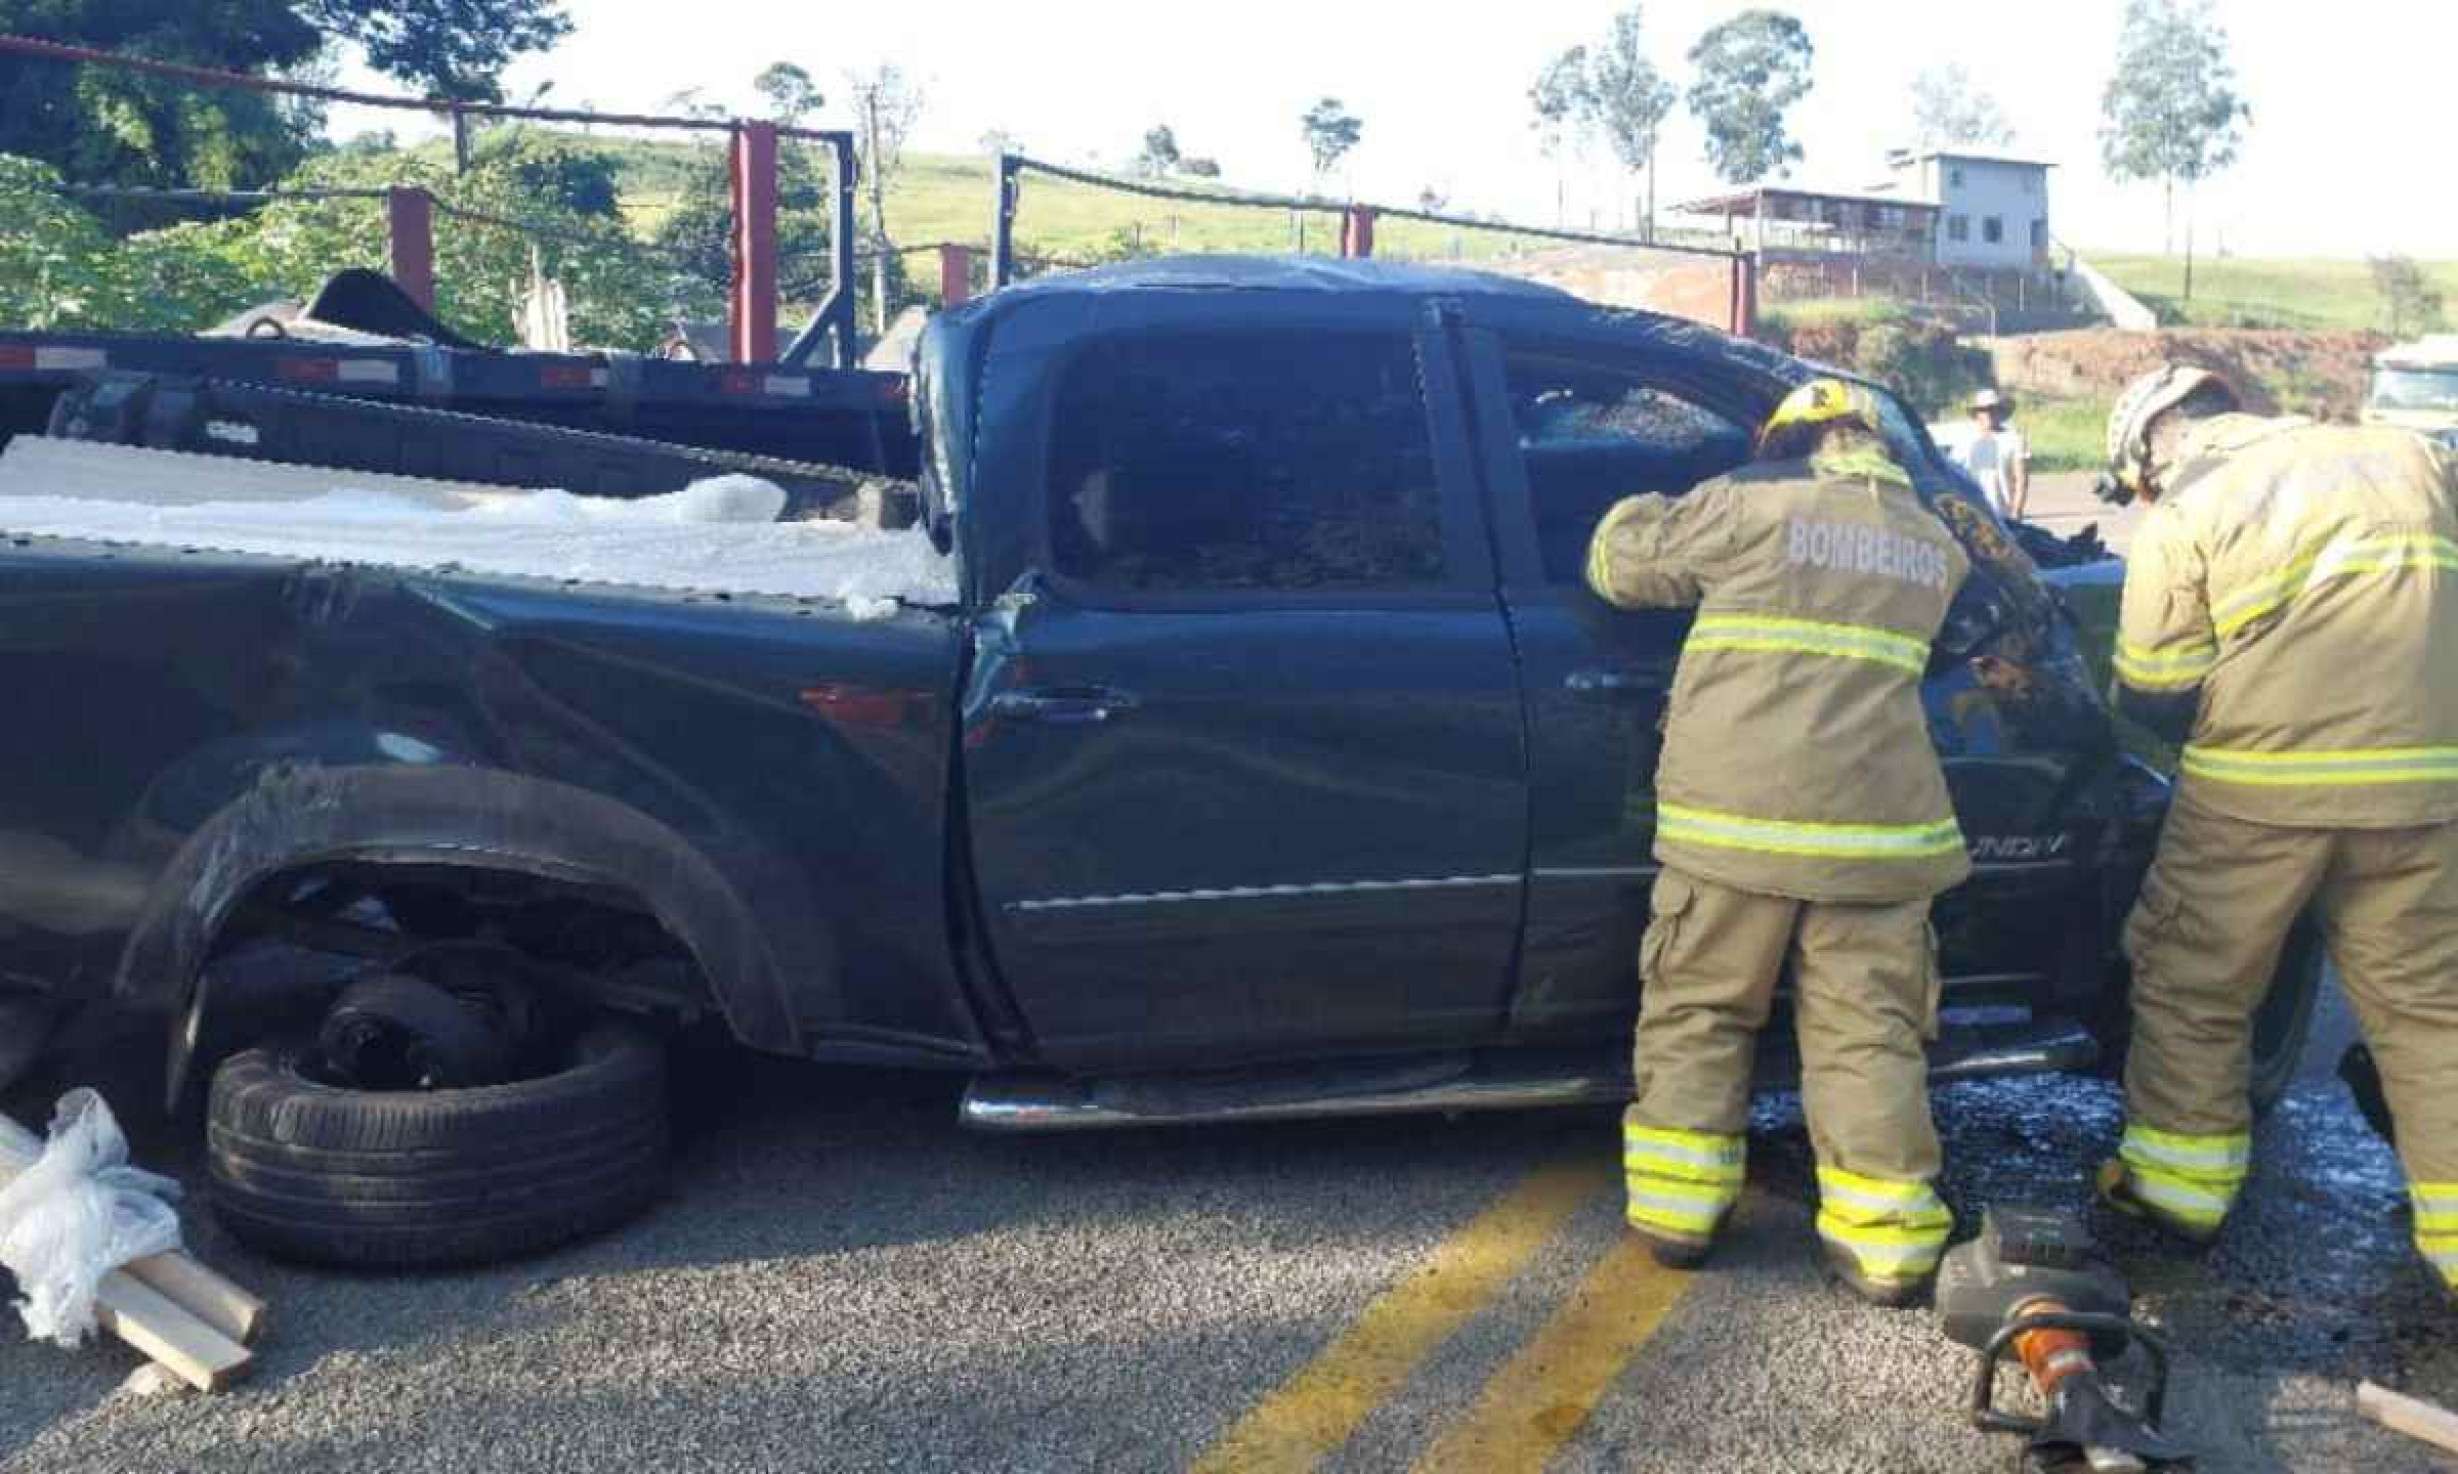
(409, 223)
(753, 318)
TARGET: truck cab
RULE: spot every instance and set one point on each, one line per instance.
(2415, 386)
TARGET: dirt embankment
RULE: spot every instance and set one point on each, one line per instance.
(2286, 371)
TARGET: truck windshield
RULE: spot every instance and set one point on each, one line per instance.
(2416, 388)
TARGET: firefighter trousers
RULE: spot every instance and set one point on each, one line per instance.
(1866, 997)
(2205, 940)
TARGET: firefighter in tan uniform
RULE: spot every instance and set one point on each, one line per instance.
(2291, 614)
(1802, 821)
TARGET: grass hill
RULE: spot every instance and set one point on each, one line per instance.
(950, 197)
(2277, 292)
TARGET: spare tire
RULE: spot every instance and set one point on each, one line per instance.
(305, 1169)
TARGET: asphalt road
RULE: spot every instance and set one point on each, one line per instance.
(842, 1279)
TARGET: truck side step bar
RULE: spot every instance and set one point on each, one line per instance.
(1481, 1080)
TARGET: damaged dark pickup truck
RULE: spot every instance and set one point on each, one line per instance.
(1270, 759)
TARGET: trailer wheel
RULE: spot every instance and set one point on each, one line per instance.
(304, 1168)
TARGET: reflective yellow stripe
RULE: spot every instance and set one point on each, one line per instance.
(2188, 1177)
(1887, 1254)
(1884, 1236)
(1874, 1200)
(2436, 1208)
(2340, 768)
(1695, 1156)
(1639, 1161)
(1599, 556)
(2203, 1156)
(1662, 1209)
(1792, 837)
(2441, 1251)
(2390, 553)
(2149, 669)
(1712, 1194)
(1893, 1228)
(2181, 1198)
(1808, 637)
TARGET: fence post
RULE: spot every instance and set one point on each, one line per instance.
(1745, 297)
(955, 274)
(1003, 224)
(1357, 231)
(409, 226)
(754, 172)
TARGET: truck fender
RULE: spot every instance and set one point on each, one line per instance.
(709, 896)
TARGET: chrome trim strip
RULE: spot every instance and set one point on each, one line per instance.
(1265, 892)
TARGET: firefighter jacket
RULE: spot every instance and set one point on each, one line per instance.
(1797, 759)
(2293, 592)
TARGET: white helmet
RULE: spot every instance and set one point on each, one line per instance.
(2129, 423)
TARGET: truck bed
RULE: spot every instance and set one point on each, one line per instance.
(695, 540)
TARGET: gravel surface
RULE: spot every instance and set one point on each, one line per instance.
(843, 1279)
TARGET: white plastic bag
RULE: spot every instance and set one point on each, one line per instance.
(79, 1212)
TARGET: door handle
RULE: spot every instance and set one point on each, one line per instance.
(1602, 681)
(1065, 704)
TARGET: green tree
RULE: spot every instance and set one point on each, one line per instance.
(555, 168)
(448, 48)
(2410, 303)
(1949, 108)
(887, 104)
(59, 268)
(792, 95)
(1160, 153)
(2171, 112)
(1559, 99)
(1627, 100)
(1331, 130)
(97, 123)
(1750, 70)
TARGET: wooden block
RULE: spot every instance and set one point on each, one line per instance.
(2418, 1419)
(146, 1319)
(202, 1299)
(204, 1293)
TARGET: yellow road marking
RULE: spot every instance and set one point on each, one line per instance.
(1545, 1392)
(1315, 1411)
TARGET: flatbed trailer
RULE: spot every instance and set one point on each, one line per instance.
(855, 418)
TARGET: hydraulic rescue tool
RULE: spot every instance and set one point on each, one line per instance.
(2034, 1285)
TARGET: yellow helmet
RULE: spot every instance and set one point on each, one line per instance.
(2129, 423)
(1814, 407)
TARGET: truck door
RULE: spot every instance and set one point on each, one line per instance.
(1243, 749)
(1569, 425)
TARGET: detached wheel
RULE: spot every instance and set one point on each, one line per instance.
(306, 1169)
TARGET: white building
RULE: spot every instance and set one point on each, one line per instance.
(1992, 208)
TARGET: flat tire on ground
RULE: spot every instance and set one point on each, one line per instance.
(302, 1169)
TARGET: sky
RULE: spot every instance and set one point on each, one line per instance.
(2347, 98)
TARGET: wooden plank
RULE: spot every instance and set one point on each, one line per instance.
(204, 1293)
(2418, 1419)
(146, 1319)
(133, 1300)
